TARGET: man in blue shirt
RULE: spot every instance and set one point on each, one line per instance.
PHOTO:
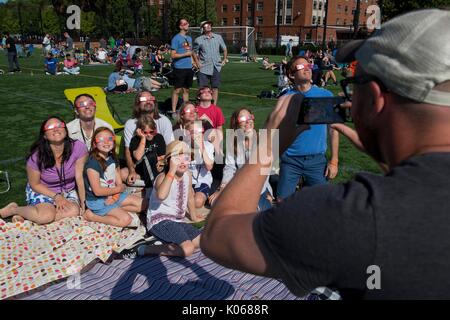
(181, 53)
(305, 158)
(51, 65)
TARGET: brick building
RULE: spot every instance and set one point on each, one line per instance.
(298, 18)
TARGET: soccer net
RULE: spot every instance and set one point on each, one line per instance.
(235, 37)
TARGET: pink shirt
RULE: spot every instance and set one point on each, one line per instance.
(59, 180)
(69, 63)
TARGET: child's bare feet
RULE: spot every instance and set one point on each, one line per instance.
(17, 218)
(8, 210)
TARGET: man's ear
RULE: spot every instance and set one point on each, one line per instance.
(378, 95)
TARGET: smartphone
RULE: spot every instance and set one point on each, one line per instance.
(322, 111)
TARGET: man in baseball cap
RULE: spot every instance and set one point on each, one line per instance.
(376, 236)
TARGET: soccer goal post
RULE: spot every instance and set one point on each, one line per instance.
(234, 37)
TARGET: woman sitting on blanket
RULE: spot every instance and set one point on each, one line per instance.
(171, 197)
(54, 170)
(105, 196)
(242, 121)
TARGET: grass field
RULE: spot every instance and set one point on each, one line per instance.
(28, 98)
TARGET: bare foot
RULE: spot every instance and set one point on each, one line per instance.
(18, 218)
(8, 210)
(86, 214)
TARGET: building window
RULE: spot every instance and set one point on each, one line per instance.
(249, 7)
(288, 20)
(224, 21)
(259, 20)
(338, 21)
(339, 8)
(236, 8)
(345, 22)
(288, 4)
(259, 35)
(346, 9)
(314, 20)
(224, 8)
(236, 22)
(260, 6)
(249, 22)
(315, 5)
(319, 20)
(320, 5)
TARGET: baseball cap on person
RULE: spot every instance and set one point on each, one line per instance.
(205, 22)
(409, 55)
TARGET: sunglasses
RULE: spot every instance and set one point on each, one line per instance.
(184, 24)
(86, 104)
(54, 126)
(190, 111)
(145, 99)
(246, 118)
(183, 157)
(304, 66)
(149, 131)
(104, 139)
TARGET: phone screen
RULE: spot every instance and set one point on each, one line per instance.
(322, 111)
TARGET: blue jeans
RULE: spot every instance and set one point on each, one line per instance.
(263, 203)
(292, 168)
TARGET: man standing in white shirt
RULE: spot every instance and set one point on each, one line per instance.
(83, 126)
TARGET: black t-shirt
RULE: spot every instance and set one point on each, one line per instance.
(12, 45)
(153, 149)
(329, 235)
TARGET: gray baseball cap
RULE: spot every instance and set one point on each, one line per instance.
(410, 54)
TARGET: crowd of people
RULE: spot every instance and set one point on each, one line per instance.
(303, 230)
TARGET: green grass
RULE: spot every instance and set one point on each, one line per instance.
(29, 97)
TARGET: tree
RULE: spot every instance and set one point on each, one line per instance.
(87, 22)
(392, 8)
(9, 21)
(50, 21)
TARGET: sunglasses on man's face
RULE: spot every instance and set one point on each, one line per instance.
(104, 139)
(56, 125)
(147, 99)
(86, 104)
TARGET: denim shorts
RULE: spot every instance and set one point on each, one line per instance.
(99, 207)
(34, 198)
(205, 79)
(175, 232)
(204, 188)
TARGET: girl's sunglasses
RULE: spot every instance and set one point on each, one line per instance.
(246, 118)
(149, 131)
(194, 110)
(104, 139)
(183, 157)
(54, 126)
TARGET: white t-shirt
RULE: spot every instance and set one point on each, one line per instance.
(101, 55)
(163, 126)
(76, 133)
(46, 43)
(199, 172)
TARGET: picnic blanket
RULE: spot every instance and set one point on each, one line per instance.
(32, 255)
(163, 278)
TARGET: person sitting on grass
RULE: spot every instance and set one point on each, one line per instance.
(105, 196)
(70, 65)
(268, 65)
(147, 148)
(116, 82)
(51, 65)
(171, 197)
(55, 188)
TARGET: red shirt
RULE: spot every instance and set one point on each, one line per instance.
(213, 114)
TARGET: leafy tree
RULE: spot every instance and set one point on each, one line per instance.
(392, 8)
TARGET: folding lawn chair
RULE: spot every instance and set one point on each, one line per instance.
(103, 111)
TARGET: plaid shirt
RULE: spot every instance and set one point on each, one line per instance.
(208, 50)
